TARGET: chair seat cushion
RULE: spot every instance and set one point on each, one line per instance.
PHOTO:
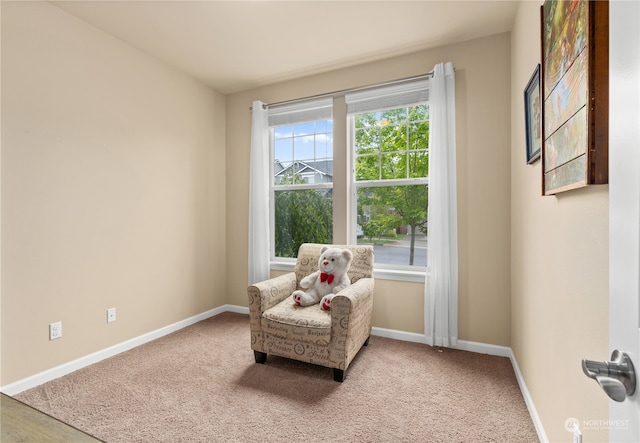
(287, 320)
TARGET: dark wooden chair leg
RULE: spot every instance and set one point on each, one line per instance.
(338, 375)
(261, 357)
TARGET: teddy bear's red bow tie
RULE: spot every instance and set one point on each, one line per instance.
(326, 277)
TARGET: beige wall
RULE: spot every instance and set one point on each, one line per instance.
(112, 189)
(559, 271)
(115, 179)
(483, 115)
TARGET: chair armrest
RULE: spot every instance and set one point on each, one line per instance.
(262, 296)
(360, 293)
(351, 312)
(268, 293)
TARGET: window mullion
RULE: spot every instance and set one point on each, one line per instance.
(407, 157)
(301, 187)
(393, 182)
(341, 174)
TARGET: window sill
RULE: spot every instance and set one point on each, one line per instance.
(407, 275)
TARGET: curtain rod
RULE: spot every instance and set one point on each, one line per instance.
(344, 91)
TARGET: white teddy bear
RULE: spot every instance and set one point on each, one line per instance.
(330, 278)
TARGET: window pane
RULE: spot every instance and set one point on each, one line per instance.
(300, 217)
(303, 129)
(324, 146)
(392, 144)
(419, 135)
(368, 167)
(393, 166)
(304, 148)
(283, 131)
(419, 112)
(303, 154)
(366, 120)
(367, 140)
(394, 138)
(284, 150)
(394, 220)
(394, 115)
(418, 164)
(324, 126)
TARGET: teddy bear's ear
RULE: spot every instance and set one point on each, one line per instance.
(346, 253)
(324, 248)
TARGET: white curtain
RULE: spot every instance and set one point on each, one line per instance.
(441, 283)
(259, 196)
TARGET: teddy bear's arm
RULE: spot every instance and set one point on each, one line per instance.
(344, 283)
(310, 280)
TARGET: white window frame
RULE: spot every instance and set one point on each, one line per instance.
(346, 105)
(291, 114)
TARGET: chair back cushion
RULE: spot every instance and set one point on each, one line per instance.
(361, 265)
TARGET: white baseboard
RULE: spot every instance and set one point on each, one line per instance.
(481, 348)
(66, 368)
(237, 309)
(463, 345)
(398, 335)
(528, 400)
(59, 371)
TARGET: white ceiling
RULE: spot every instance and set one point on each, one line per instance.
(236, 45)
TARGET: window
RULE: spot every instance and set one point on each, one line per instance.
(391, 177)
(388, 156)
(302, 171)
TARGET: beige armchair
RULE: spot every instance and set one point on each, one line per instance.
(311, 334)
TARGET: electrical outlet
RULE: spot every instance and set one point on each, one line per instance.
(111, 315)
(55, 330)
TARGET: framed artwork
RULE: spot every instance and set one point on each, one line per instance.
(533, 116)
(575, 94)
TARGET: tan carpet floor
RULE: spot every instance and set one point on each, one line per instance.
(201, 384)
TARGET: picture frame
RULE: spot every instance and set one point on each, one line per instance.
(533, 117)
(575, 94)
